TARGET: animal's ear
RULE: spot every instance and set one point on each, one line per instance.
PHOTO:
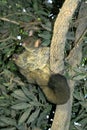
(37, 43)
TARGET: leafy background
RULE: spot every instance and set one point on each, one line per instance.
(23, 105)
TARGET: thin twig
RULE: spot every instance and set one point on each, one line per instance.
(8, 20)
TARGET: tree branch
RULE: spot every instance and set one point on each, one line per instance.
(63, 112)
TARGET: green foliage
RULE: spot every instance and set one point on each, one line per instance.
(79, 109)
(21, 105)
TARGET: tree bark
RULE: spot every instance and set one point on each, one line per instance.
(61, 26)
